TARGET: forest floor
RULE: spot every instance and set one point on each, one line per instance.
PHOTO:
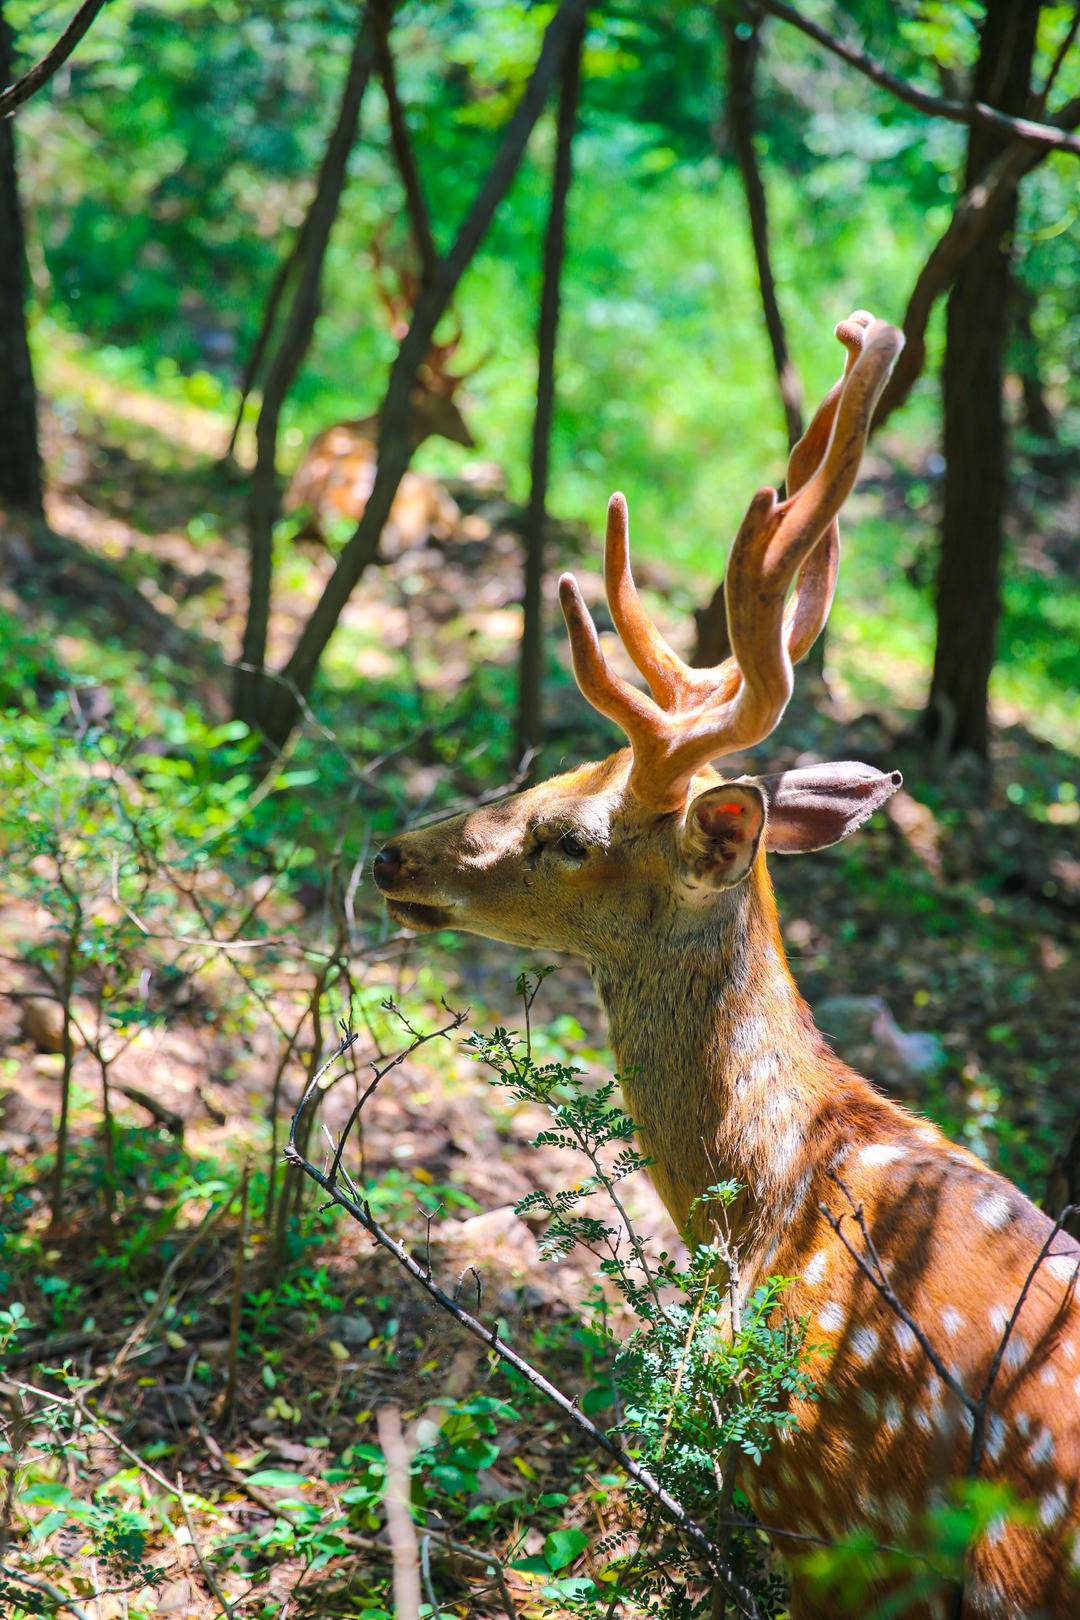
(242, 1360)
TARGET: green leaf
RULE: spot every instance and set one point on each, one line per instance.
(278, 1479)
(563, 1546)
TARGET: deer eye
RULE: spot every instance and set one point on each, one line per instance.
(570, 844)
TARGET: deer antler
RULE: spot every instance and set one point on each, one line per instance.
(694, 715)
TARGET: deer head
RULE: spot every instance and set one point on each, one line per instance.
(435, 409)
(651, 843)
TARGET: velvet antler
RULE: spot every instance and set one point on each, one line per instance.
(694, 715)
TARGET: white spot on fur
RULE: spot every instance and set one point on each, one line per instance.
(999, 1318)
(831, 1317)
(1053, 1505)
(1048, 1375)
(1023, 1425)
(995, 1209)
(868, 1401)
(840, 1155)
(881, 1153)
(951, 1321)
(1068, 1350)
(995, 1436)
(894, 1414)
(1041, 1448)
(816, 1267)
(760, 1071)
(904, 1336)
(1016, 1352)
(750, 1034)
(923, 1420)
(996, 1529)
(1063, 1267)
(864, 1343)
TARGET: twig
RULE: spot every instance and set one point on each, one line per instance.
(399, 1520)
(978, 1433)
(445, 1032)
(673, 1510)
(37, 1583)
(236, 1298)
(161, 1298)
(207, 1573)
(41, 72)
(878, 1276)
(1047, 136)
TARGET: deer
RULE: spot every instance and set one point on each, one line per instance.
(945, 1300)
(337, 472)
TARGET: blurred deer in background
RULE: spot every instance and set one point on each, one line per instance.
(337, 473)
(945, 1299)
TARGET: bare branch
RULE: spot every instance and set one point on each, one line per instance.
(672, 1509)
(978, 1434)
(1048, 137)
(973, 216)
(41, 72)
(875, 1272)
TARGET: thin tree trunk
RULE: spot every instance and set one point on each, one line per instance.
(295, 340)
(404, 156)
(1038, 417)
(530, 679)
(742, 50)
(742, 40)
(20, 460)
(976, 451)
(282, 699)
(259, 347)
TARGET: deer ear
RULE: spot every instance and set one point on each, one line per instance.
(721, 833)
(817, 805)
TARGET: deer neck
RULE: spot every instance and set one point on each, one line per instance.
(723, 1069)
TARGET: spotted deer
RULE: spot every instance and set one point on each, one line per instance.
(337, 473)
(651, 865)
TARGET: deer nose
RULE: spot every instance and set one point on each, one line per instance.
(386, 867)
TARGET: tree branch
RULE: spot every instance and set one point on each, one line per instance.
(357, 1206)
(529, 717)
(973, 216)
(404, 156)
(395, 449)
(742, 54)
(1047, 137)
(295, 338)
(41, 72)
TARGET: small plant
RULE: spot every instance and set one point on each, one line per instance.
(698, 1377)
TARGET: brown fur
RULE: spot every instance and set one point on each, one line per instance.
(727, 1077)
(336, 476)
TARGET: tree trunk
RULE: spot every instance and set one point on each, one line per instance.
(282, 699)
(969, 572)
(20, 460)
(295, 340)
(530, 679)
(742, 50)
(742, 40)
(1038, 417)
